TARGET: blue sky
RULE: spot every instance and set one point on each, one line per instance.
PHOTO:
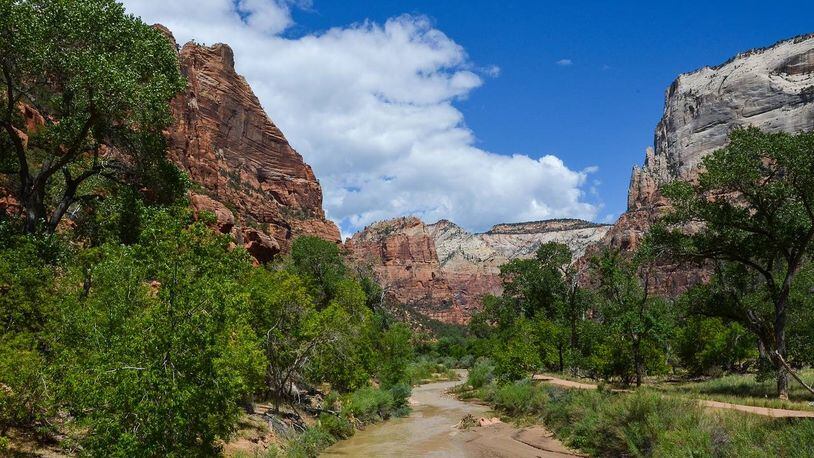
(603, 108)
(582, 83)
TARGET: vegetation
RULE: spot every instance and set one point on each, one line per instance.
(89, 85)
(646, 423)
(754, 207)
(130, 328)
(136, 330)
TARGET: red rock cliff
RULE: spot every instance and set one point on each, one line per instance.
(259, 187)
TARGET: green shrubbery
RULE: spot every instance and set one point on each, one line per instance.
(481, 374)
(152, 347)
(427, 369)
(646, 423)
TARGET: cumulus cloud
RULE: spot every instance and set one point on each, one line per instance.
(565, 62)
(371, 107)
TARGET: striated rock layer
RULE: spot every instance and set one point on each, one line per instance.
(260, 189)
(770, 88)
(443, 271)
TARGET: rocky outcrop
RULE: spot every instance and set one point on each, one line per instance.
(443, 271)
(770, 88)
(401, 252)
(245, 171)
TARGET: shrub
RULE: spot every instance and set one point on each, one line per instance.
(466, 361)
(370, 404)
(481, 374)
(337, 426)
(400, 393)
(310, 443)
(519, 398)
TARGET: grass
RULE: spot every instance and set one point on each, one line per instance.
(647, 423)
(744, 389)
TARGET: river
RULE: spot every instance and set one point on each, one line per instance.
(430, 430)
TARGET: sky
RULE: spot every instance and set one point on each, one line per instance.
(480, 112)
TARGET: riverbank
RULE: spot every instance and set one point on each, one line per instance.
(646, 422)
(432, 429)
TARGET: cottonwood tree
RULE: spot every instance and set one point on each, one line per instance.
(751, 214)
(628, 309)
(84, 92)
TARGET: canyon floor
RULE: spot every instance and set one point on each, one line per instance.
(431, 430)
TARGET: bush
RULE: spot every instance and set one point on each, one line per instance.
(370, 404)
(466, 361)
(400, 393)
(481, 374)
(337, 426)
(519, 398)
(310, 443)
(425, 370)
(646, 423)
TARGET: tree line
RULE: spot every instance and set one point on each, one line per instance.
(748, 220)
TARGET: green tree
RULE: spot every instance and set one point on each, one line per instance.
(395, 351)
(752, 215)
(84, 93)
(320, 262)
(155, 355)
(283, 316)
(639, 321)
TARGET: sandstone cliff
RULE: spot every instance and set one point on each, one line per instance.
(245, 171)
(770, 88)
(443, 271)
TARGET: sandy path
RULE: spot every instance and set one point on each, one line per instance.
(430, 430)
(765, 411)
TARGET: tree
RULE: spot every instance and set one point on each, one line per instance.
(84, 93)
(751, 214)
(154, 355)
(395, 351)
(321, 264)
(283, 316)
(628, 310)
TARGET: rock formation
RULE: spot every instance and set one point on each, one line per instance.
(443, 271)
(246, 172)
(770, 88)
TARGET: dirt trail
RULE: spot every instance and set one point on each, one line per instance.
(430, 430)
(765, 411)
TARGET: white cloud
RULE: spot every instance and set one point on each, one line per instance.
(371, 107)
(564, 62)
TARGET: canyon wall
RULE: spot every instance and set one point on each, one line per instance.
(770, 88)
(443, 271)
(244, 170)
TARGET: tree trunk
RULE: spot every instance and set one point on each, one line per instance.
(562, 360)
(780, 348)
(637, 362)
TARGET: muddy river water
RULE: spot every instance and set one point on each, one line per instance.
(430, 430)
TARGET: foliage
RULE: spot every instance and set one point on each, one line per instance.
(100, 79)
(517, 398)
(320, 263)
(708, 346)
(369, 404)
(481, 374)
(155, 355)
(395, 350)
(645, 423)
(638, 324)
(753, 207)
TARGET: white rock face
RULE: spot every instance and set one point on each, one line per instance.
(461, 251)
(770, 88)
